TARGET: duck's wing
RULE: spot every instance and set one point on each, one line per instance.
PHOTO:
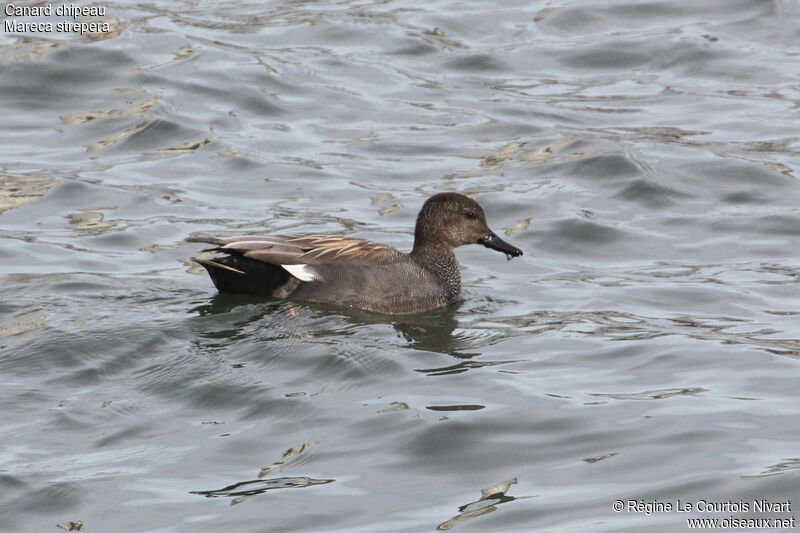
(299, 254)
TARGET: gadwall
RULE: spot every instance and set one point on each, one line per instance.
(342, 270)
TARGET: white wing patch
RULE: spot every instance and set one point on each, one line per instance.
(302, 272)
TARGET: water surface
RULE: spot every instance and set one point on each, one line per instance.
(645, 347)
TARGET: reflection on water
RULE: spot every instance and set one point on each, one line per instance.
(785, 465)
(430, 331)
(490, 498)
(246, 489)
(288, 455)
(622, 326)
(654, 394)
(73, 525)
(16, 191)
(434, 332)
(460, 367)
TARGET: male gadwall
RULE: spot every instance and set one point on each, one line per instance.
(342, 270)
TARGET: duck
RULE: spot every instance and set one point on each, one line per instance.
(358, 273)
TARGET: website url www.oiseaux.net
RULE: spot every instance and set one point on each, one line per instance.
(741, 523)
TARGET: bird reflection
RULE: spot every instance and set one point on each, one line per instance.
(429, 331)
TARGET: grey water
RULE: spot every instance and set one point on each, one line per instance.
(645, 349)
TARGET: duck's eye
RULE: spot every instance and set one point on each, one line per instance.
(470, 214)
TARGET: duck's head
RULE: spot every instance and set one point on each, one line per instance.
(450, 219)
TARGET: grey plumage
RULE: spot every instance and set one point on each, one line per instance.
(342, 270)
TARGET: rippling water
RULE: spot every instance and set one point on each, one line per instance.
(643, 154)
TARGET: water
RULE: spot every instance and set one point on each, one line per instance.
(643, 154)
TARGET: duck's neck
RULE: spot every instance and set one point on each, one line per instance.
(441, 263)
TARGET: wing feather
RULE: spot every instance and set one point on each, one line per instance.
(305, 249)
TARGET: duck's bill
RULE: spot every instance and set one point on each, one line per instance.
(496, 243)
